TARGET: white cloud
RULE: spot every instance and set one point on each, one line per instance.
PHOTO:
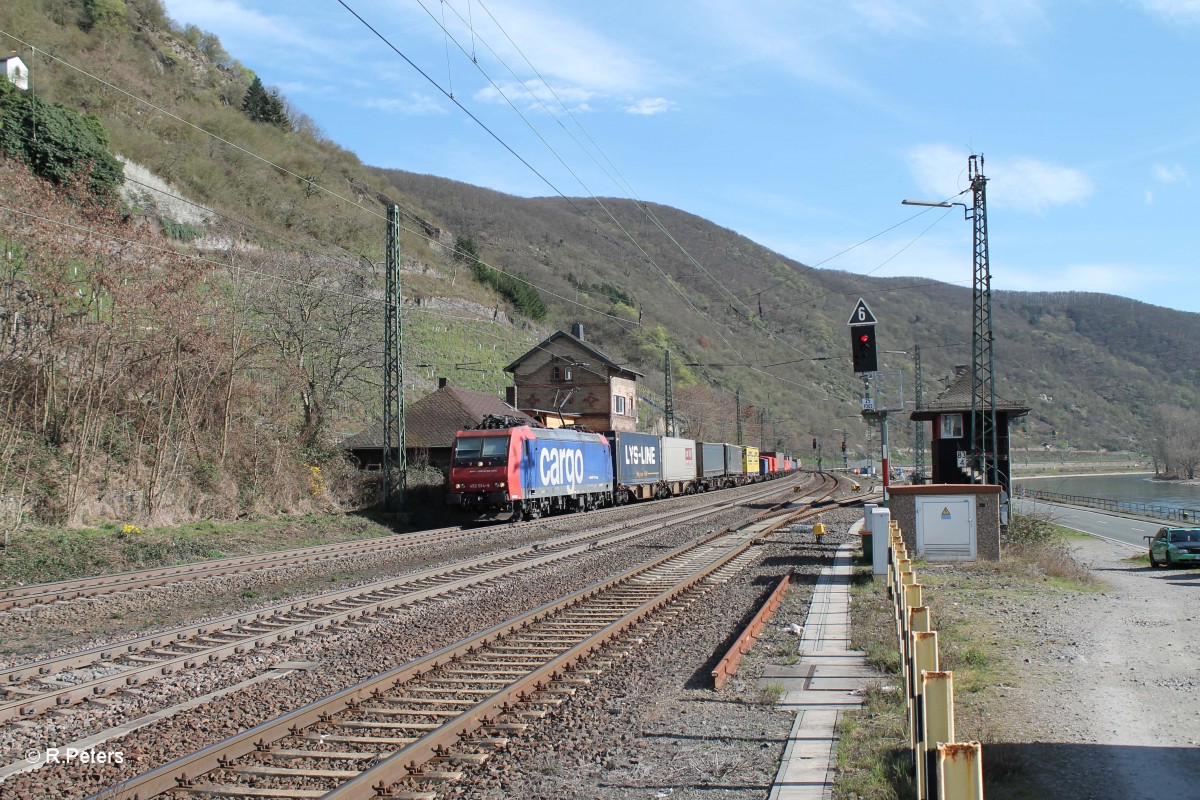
(1032, 185)
(1021, 183)
(251, 26)
(823, 41)
(535, 93)
(650, 106)
(1175, 173)
(416, 105)
(564, 51)
(1104, 278)
(940, 171)
(1149, 197)
(1184, 11)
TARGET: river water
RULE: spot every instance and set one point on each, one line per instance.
(1130, 488)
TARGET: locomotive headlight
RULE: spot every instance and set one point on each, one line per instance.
(460, 486)
(501, 484)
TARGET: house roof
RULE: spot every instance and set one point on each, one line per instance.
(562, 337)
(433, 420)
(957, 398)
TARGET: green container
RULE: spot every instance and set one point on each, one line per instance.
(868, 548)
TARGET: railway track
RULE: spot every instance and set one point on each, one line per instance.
(58, 591)
(410, 732)
(32, 689)
(40, 593)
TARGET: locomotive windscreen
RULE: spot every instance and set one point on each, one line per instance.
(481, 451)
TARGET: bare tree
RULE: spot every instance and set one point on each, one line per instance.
(1176, 440)
(324, 328)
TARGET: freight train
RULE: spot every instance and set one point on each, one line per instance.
(518, 472)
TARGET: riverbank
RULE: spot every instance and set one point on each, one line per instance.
(1044, 475)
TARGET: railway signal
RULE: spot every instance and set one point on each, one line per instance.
(863, 351)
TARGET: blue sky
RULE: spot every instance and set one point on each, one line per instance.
(801, 125)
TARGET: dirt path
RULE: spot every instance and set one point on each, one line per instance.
(1110, 707)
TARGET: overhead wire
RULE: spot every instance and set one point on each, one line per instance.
(305, 180)
(83, 230)
(500, 91)
(622, 183)
(315, 185)
(717, 327)
(241, 268)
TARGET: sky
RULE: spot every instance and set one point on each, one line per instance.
(799, 124)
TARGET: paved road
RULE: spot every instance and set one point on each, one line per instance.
(1127, 530)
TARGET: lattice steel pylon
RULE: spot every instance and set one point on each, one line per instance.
(918, 426)
(737, 400)
(984, 442)
(393, 372)
(669, 402)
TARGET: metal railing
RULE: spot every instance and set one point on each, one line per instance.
(1119, 506)
(944, 768)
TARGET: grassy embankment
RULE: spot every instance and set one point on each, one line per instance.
(873, 757)
(1032, 463)
(39, 556)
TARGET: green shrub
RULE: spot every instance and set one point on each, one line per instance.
(526, 298)
(58, 144)
(180, 230)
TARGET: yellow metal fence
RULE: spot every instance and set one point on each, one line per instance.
(945, 769)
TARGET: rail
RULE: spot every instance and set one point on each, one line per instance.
(479, 688)
(728, 665)
(1119, 506)
(27, 690)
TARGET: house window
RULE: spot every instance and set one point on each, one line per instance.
(952, 426)
(561, 374)
(619, 404)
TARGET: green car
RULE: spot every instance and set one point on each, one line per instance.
(1174, 546)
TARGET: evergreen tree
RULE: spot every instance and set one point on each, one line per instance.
(263, 105)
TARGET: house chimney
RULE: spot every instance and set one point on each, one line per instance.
(510, 395)
(577, 330)
(442, 382)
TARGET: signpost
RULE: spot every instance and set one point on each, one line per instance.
(865, 356)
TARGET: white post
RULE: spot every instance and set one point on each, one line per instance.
(881, 523)
(867, 522)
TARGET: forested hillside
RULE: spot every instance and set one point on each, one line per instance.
(1094, 368)
(191, 336)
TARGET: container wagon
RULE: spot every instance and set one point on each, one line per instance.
(678, 466)
(735, 466)
(710, 466)
(636, 466)
(750, 464)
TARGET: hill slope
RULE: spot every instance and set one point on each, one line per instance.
(1091, 366)
(282, 256)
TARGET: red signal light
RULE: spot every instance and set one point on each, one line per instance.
(862, 343)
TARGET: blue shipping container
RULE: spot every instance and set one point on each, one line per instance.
(637, 457)
(558, 462)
